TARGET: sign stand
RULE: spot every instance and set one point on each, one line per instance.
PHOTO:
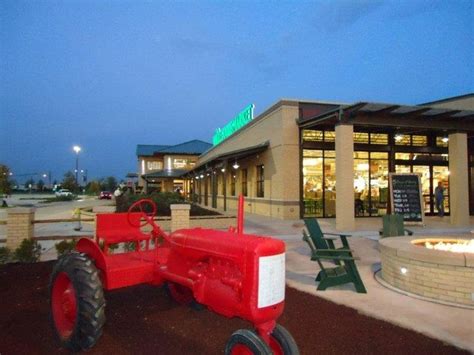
(406, 197)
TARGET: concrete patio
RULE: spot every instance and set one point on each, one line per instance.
(450, 324)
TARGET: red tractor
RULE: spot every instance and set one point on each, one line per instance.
(233, 274)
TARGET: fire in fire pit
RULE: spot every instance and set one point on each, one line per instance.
(457, 246)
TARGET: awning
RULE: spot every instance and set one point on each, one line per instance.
(220, 159)
(164, 174)
(397, 116)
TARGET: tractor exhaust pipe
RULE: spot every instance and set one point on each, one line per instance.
(240, 216)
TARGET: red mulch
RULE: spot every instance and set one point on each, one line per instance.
(142, 320)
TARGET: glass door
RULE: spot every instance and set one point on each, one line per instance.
(441, 174)
(426, 190)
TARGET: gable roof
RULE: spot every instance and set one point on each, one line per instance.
(191, 147)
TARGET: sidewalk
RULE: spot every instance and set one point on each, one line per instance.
(450, 324)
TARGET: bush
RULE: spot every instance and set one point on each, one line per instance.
(65, 246)
(5, 255)
(29, 251)
(163, 201)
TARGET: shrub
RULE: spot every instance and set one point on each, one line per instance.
(163, 201)
(5, 255)
(65, 246)
(29, 251)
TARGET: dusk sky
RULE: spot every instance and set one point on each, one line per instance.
(108, 75)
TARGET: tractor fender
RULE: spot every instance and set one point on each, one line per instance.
(92, 250)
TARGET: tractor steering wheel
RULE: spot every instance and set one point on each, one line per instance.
(145, 206)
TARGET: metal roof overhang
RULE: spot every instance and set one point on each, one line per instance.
(164, 174)
(238, 154)
(395, 116)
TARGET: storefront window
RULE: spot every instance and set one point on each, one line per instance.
(313, 182)
(361, 137)
(419, 141)
(329, 136)
(378, 138)
(370, 183)
(442, 142)
(312, 136)
(402, 139)
(233, 178)
(244, 182)
(260, 181)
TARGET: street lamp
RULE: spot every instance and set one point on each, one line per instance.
(77, 149)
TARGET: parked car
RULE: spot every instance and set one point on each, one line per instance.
(63, 193)
(105, 195)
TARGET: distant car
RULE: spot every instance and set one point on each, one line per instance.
(63, 193)
(105, 195)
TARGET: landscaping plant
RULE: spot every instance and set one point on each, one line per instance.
(29, 251)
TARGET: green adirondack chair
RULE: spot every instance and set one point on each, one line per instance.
(393, 226)
(344, 273)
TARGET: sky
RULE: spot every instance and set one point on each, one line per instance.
(108, 75)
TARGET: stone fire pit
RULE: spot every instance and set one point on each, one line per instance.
(439, 275)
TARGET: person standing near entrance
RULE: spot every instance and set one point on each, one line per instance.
(439, 198)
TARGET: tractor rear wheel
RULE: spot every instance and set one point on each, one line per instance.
(282, 342)
(246, 342)
(77, 302)
(182, 295)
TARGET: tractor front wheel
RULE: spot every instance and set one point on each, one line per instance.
(77, 302)
(246, 342)
(282, 342)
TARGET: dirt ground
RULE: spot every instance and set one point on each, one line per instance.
(143, 320)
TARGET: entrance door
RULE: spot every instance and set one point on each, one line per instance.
(430, 175)
(425, 176)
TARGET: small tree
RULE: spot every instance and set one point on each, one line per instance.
(69, 182)
(5, 182)
(30, 183)
(93, 187)
(40, 185)
(109, 183)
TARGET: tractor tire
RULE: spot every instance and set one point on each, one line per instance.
(182, 295)
(282, 342)
(76, 301)
(245, 341)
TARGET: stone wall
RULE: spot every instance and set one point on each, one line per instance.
(19, 226)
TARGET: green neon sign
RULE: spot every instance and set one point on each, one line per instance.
(244, 117)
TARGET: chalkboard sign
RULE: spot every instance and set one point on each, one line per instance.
(406, 197)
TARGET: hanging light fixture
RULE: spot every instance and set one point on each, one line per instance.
(236, 165)
(202, 176)
(398, 137)
(223, 170)
(445, 139)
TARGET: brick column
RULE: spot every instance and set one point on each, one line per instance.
(458, 180)
(19, 225)
(179, 216)
(345, 219)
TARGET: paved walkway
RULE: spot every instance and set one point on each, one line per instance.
(450, 324)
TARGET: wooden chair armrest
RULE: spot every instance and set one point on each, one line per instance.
(339, 234)
(316, 256)
(308, 240)
(335, 251)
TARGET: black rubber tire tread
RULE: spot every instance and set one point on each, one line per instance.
(286, 340)
(193, 304)
(250, 339)
(84, 276)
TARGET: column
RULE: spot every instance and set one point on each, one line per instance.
(19, 226)
(179, 216)
(345, 220)
(458, 179)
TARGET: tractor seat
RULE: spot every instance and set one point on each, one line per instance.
(114, 228)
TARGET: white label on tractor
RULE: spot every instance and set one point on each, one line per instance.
(271, 280)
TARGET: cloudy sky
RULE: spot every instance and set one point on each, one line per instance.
(109, 75)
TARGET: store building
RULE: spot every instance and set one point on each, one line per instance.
(160, 167)
(325, 159)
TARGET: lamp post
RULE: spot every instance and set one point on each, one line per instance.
(77, 149)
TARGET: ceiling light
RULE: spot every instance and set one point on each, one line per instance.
(445, 139)
(236, 166)
(398, 137)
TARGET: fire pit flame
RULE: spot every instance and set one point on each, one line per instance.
(455, 247)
